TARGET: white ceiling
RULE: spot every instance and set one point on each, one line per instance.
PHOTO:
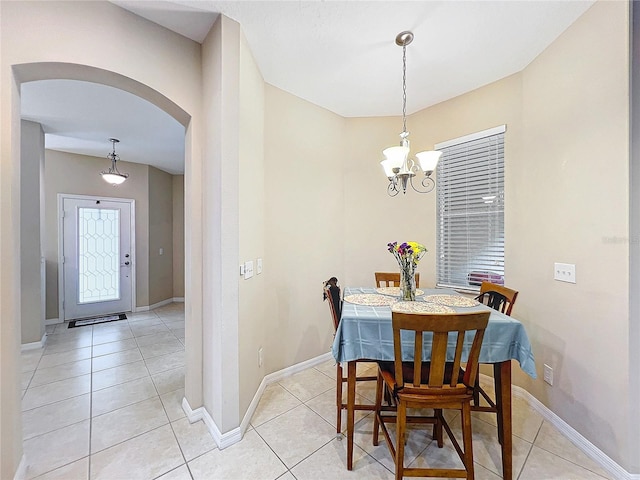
(340, 55)
(80, 117)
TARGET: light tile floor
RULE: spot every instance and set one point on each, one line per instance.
(104, 402)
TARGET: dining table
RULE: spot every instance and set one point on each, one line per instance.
(365, 332)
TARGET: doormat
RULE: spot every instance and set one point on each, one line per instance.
(83, 322)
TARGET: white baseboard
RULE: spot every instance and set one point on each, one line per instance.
(589, 449)
(146, 308)
(224, 440)
(276, 377)
(52, 321)
(34, 345)
(235, 435)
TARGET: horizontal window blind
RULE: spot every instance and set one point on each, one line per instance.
(470, 210)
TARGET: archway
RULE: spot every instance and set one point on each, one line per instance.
(23, 73)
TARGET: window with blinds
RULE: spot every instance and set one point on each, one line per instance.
(470, 210)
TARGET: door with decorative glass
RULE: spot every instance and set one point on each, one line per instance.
(97, 258)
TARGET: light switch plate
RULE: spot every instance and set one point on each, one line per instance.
(564, 272)
(259, 266)
(248, 269)
(548, 374)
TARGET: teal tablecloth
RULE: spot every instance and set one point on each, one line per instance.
(365, 333)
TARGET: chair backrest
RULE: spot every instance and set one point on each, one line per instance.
(441, 326)
(498, 297)
(391, 279)
(331, 292)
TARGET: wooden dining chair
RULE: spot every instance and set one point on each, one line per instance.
(432, 384)
(498, 297)
(391, 279)
(331, 293)
(502, 299)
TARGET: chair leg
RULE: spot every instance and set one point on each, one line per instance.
(387, 396)
(467, 440)
(339, 398)
(376, 424)
(437, 428)
(401, 426)
(476, 392)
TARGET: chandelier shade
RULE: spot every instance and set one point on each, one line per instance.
(399, 168)
(428, 160)
(112, 175)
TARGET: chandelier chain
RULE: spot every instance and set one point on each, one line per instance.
(404, 87)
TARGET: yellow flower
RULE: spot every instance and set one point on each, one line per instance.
(417, 247)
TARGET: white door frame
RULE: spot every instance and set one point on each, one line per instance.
(132, 233)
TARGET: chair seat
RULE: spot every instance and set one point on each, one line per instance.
(459, 392)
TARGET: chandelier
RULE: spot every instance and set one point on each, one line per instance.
(399, 168)
(113, 176)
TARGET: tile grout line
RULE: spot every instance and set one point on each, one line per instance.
(555, 454)
(38, 367)
(90, 408)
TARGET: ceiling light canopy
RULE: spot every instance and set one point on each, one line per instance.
(398, 167)
(113, 176)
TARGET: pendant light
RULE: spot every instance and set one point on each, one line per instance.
(399, 168)
(113, 176)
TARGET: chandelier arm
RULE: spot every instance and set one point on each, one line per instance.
(427, 184)
(392, 188)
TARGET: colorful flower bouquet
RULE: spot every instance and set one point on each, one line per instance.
(408, 254)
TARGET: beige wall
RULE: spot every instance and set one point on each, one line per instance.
(574, 171)
(304, 202)
(79, 175)
(31, 216)
(411, 217)
(220, 223)
(385, 219)
(143, 58)
(178, 236)
(565, 113)
(152, 190)
(160, 236)
(568, 103)
(252, 327)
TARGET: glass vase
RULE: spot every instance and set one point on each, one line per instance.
(407, 284)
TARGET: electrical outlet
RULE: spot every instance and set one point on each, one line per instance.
(260, 357)
(548, 374)
(564, 272)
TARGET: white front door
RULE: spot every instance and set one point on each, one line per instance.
(97, 257)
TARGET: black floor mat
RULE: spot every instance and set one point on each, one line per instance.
(83, 322)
